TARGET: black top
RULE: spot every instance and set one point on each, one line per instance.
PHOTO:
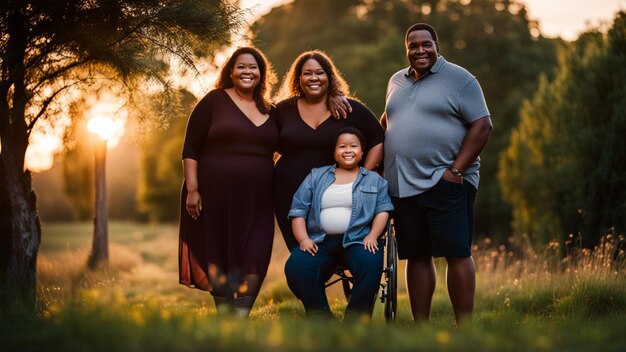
(303, 148)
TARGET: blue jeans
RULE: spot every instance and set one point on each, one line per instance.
(307, 275)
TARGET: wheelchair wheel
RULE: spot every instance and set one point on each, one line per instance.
(346, 284)
(391, 275)
(342, 274)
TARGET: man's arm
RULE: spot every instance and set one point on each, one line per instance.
(383, 120)
(475, 140)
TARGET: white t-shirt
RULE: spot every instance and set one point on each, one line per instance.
(336, 208)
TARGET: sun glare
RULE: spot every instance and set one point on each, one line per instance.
(41, 151)
(107, 118)
(105, 127)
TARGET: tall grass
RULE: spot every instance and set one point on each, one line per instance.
(585, 283)
(526, 300)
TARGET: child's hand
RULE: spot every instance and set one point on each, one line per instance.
(371, 243)
(308, 246)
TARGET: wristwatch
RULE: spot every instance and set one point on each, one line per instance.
(455, 172)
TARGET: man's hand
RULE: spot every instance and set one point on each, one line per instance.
(449, 176)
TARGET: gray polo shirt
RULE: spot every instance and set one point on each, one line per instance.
(427, 121)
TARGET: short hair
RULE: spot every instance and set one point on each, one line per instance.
(351, 130)
(423, 26)
(262, 93)
(290, 87)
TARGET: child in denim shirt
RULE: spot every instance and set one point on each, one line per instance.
(337, 216)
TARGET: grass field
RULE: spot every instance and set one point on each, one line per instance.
(525, 301)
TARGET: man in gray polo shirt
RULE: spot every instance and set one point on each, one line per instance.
(437, 123)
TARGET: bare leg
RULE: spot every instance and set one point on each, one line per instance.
(461, 279)
(421, 279)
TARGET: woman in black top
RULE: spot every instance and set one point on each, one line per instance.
(307, 129)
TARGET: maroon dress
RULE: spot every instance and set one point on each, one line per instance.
(235, 230)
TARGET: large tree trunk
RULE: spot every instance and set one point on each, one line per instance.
(20, 231)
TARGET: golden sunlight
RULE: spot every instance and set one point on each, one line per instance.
(106, 128)
(46, 140)
(40, 152)
(108, 118)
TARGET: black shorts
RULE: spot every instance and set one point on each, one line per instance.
(438, 222)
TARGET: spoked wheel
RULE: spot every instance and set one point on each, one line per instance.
(343, 275)
(346, 283)
(390, 291)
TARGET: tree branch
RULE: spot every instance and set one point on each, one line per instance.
(46, 103)
(55, 74)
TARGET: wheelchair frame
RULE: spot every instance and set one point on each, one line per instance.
(389, 286)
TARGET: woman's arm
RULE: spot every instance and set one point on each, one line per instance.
(195, 135)
(298, 226)
(339, 106)
(193, 203)
(370, 242)
(374, 157)
(365, 120)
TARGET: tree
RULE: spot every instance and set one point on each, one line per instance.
(78, 168)
(49, 49)
(491, 38)
(161, 174)
(563, 171)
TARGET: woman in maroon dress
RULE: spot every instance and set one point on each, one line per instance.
(227, 221)
(307, 130)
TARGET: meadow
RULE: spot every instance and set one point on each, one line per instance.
(526, 300)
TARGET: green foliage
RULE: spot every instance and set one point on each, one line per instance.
(563, 171)
(592, 298)
(161, 174)
(491, 38)
(78, 168)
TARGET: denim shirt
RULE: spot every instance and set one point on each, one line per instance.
(369, 197)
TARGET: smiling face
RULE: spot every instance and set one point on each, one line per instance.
(421, 50)
(246, 74)
(313, 80)
(348, 151)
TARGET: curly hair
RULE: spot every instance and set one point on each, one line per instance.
(262, 92)
(290, 87)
